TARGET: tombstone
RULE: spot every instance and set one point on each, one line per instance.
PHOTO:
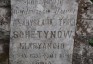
(42, 31)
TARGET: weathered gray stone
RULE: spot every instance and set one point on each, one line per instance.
(82, 53)
(5, 17)
(42, 31)
(5, 3)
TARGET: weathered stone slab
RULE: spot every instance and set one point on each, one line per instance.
(42, 31)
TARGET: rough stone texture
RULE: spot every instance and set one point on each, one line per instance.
(83, 52)
(5, 13)
(5, 18)
(5, 3)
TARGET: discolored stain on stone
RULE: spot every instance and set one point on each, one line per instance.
(5, 14)
(5, 3)
(4, 43)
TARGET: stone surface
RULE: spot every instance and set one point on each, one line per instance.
(42, 31)
(4, 3)
(5, 18)
(83, 53)
(5, 14)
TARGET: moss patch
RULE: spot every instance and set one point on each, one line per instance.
(92, 1)
(91, 42)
